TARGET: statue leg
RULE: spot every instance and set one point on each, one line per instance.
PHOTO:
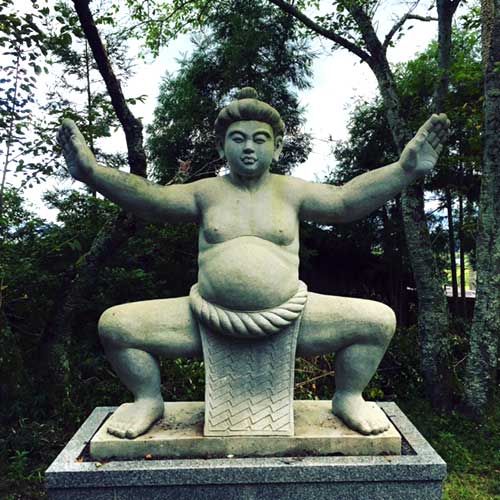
(359, 332)
(133, 335)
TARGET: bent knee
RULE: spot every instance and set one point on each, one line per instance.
(113, 326)
(384, 322)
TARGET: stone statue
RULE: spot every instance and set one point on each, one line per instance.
(249, 260)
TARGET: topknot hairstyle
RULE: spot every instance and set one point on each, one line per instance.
(247, 106)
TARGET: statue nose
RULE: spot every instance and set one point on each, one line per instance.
(248, 147)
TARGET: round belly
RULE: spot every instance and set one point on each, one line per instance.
(247, 273)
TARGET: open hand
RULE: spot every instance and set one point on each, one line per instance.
(78, 156)
(420, 155)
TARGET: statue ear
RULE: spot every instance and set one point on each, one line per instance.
(278, 146)
(220, 149)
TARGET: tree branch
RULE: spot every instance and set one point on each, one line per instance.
(316, 28)
(131, 125)
(400, 24)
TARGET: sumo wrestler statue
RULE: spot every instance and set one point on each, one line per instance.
(249, 257)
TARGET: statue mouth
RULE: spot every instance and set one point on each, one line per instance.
(248, 160)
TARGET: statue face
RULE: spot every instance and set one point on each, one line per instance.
(250, 146)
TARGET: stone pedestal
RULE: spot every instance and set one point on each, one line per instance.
(179, 435)
(417, 474)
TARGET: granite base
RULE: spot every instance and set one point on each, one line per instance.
(416, 475)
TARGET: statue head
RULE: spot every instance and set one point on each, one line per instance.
(249, 120)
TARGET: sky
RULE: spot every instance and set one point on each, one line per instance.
(338, 80)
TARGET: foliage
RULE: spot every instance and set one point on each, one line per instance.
(238, 51)
(340, 21)
(160, 261)
(463, 107)
(77, 90)
(23, 45)
(370, 146)
(158, 21)
(482, 363)
(471, 450)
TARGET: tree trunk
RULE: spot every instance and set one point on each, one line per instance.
(53, 348)
(131, 125)
(433, 311)
(432, 306)
(446, 10)
(90, 124)
(481, 369)
(463, 296)
(452, 252)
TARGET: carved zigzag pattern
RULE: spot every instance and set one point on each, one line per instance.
(249, 384)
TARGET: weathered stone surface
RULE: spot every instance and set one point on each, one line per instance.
(248, 261)
(179, 435)
(417, 476)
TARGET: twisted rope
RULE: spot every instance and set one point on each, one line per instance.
(248, 324)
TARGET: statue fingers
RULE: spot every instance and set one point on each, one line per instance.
(438, 149)
(438, 138)
(442, 137)
(423, 131)
(444, 119)
(444, 132)
(79, 135)
(63, 136)
(429, 124)
(64, 132)
(433, 138)
(76, 141)
(442, 124)
(434, 124)
(60, 135)
(66, 138)
(70, 131)
(419, 139)
(69, 125)
(67, 148)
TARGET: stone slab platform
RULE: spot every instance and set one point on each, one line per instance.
(418, 475)
(180, 435)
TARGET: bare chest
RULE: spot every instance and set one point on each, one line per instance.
(267, 214)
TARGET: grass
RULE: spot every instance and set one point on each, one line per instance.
(471, 450)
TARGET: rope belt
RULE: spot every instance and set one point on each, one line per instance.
(248, 324)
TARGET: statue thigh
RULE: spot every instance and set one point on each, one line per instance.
(330, 323)
(163, 327)
(167, 327)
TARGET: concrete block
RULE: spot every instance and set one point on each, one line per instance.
(418, 474)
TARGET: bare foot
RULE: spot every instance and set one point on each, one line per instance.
(360, 415)
(133, 419)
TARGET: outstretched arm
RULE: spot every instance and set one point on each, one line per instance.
(363, 194)
(135, 194)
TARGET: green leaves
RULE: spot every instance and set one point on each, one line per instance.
(23, 40)
(158, 22)
(238, 50)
